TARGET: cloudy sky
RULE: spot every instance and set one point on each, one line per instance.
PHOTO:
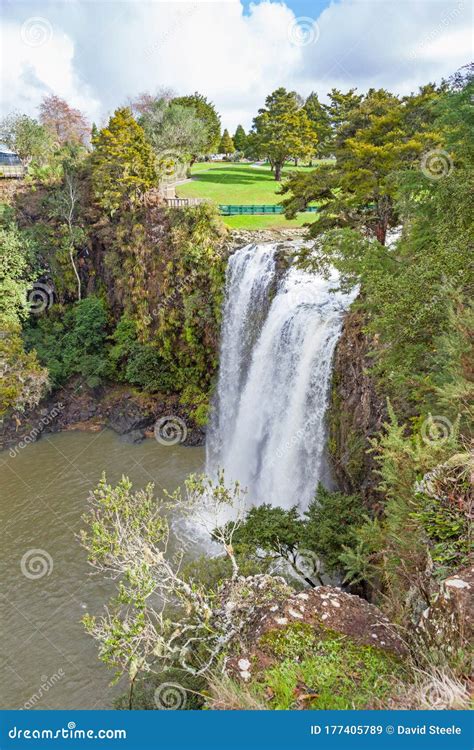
(97, 53)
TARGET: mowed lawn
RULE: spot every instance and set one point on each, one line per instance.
(241, 184)
(224, 182)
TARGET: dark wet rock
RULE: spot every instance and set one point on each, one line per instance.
(133, 437)
(356, 412)
(128, 416)
(78, 407)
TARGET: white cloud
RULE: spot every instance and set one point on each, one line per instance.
(39, 61)
(102, 52)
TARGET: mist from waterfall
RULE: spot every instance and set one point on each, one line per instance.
(278, 337)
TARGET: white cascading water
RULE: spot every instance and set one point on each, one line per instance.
(278, 336)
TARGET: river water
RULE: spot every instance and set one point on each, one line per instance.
(46, 658)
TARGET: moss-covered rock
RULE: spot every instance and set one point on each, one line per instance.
(319, 648)
(321, 669)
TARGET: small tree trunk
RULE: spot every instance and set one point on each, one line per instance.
(130, 694)
(278, 171)
(76, 272)
(381, 232)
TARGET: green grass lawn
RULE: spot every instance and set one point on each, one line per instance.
(224, 182)
(241, 184)
(266, 222)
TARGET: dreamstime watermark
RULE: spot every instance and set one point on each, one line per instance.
(446, 20)
(35, 433)
(169, 696)
(308, 563)
(295, 439)
(170, 430)
(304, 294)
(36, 563)
(40, 298)
(439, 296)
(436, 164)
(436, 430)
(45, 686)
(181, 17)
(179, 289)
(303, 31)
(169, 162)
(36, 31)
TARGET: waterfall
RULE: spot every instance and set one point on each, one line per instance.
(267, 427)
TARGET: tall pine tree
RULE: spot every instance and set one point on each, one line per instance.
(240, 138)
(123, 162)
(226, 145)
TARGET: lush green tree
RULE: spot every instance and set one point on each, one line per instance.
(26, 137)
(148, 370)
(175, 132)
(240, 138)
(329, 526)
(321, 123)
(226, 145)
(23, 380)
(15, 279)
(274, 533)
(123, 163)
(340, 110)
(84, 343)
(381, 137)
(283, 130)
(207, 113)
(73, 342)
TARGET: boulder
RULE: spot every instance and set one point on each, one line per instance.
(448, 622)
(127, 416)
(284, 637)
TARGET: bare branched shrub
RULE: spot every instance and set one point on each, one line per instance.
(158, 618)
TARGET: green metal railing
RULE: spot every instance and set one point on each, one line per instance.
(234, 210)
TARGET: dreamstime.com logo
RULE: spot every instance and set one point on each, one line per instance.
(40, 298)
(436, 429)
(308, 563)
(303, 31)
(436, 164)
(170, 696)
(169, 163)
(67, 733)
(170, 430)
(36, 563)
(36, 31)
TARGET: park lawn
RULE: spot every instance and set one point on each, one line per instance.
(234, 183)
(257, 221)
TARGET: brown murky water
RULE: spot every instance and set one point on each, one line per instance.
(46, 659)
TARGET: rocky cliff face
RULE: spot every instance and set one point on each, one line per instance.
(356, 412)
(78, 407)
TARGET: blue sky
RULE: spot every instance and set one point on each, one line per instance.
(311, 8)
(97, 53)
